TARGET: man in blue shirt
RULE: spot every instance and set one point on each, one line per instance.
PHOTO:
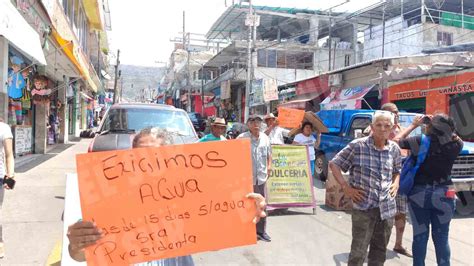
(218, 128)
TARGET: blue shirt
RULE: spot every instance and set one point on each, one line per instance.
(371, 170)
(211, 137)
(16, 85)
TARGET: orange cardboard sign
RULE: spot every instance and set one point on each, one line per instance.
(165, 202)
(290, 118)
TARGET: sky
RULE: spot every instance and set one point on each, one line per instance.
(142, 29)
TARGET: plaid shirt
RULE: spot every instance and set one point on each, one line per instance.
(371, 170)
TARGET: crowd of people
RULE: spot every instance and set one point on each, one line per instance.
(374, 163)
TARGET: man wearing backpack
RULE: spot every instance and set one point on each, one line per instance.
(374, 163)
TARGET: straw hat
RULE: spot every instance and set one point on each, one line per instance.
(219, 122)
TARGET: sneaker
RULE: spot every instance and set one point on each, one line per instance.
(2, 250)
(264, 237)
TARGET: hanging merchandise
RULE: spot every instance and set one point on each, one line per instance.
(16, 82)
(41, 95)
(26, 100)
(26, 97)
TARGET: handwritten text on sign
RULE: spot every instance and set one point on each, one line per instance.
(290, 118)
(165, 202)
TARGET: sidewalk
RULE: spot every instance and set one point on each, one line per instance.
(32, 213)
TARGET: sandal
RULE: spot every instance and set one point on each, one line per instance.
(403, 251)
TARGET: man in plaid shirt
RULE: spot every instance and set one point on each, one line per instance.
(374, 163)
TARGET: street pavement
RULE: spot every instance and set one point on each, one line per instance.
(32, 225)
(32, 212)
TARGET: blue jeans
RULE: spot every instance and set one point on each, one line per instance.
(312, 167)
(430, 205)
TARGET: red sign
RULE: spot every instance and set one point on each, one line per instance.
(317, 84)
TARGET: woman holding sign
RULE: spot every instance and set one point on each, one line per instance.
(83, 234)
(307, 138)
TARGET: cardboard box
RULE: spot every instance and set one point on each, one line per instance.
(318, 125)
(335, 197)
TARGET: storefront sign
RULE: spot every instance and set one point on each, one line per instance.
(317, 84)
(23, 136)
(454, 89)
(410, 95)
(27, 8)
(155, 203)
(270, 90)
(345, 99)
(225, 89)
(256, 97)
(290, 183)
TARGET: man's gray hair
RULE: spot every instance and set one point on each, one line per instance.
(157, 133)
(385, 115)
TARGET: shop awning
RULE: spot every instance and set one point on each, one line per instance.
(19, 33)
(350, 98)
(76, 57)
(300, 101)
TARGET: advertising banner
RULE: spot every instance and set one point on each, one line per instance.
(290, 183)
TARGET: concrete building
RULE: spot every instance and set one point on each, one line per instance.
(58, 74)
(288, 45)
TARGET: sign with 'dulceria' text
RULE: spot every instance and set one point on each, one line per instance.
(290, 183)
(169, 201)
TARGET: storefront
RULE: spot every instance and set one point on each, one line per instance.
(20, 54)
(452, 94)
(209, 107)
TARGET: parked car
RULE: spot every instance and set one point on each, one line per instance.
(199, 122)
(122, 121)
(342, 125)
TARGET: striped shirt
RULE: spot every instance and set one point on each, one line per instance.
(371, 170)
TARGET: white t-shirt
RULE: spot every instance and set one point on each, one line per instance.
(277, 134)
(5, 133)
(308, 141)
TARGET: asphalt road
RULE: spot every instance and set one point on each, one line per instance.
(32, 226)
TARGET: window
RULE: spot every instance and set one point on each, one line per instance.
(359, 123)
(281, 59)
(272, 58)
(262, 58)
(347, 60)
(291, 60)
(305, 60)
(445, 38)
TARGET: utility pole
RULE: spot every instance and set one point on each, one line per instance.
(248, 84)
(115, 100)
(383, 28)
(121, 85)
(186, 48)
(330, 40)
(202, 90)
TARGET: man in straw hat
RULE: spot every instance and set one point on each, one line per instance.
(218, 128)
(273, 131)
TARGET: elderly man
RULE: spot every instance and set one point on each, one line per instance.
(401, 200)
(218, 128)
(374, 163)
(261, 160)
(273, 131)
